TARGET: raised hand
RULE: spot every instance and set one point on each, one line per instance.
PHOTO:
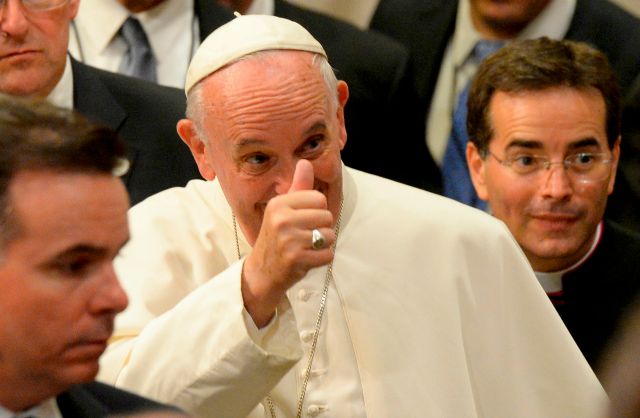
(283, 254)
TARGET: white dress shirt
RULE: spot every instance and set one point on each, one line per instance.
(171, 28)
(457, 69)
(262, 7)
(47, 409)
(62, 93)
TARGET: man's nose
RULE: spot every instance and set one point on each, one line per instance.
(557, 183)
(110, 297)
(284, 177)
(13, 19)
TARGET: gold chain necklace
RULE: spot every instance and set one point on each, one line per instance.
(323, 303)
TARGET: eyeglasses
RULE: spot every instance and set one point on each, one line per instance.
(583, 166)
(36, 5)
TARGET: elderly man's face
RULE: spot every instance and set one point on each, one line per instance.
(58, 290)
(261, 116)
(552, 214)
(33, 47)
(505, 16)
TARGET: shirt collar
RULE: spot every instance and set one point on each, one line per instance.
(262, 7)
(62, 93)
(552, 22)
(465, 36)
(106, 16)
(47, 409)
(162, 23)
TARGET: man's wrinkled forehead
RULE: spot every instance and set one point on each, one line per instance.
(246, 35)
(285, 85)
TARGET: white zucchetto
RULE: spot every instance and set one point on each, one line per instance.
(245, 35)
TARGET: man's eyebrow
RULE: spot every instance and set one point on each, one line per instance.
(87, 249)
(247, 142)
(585, 142)
(318, 126)
(83, 249)
(525, 143)
(80, 250)
(531, 144)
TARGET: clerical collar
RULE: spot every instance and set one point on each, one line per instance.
(47, 409)
(552, 281)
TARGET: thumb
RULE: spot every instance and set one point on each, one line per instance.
(302, 177)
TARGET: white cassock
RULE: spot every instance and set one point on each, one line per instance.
(433, 312)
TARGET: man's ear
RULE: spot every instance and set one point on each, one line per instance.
(74, 5)
(477, 170)
(343, 96)
(615, 155)
(198, 146)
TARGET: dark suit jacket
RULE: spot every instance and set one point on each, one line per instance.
(385, 130)
(97, 400)
(425, 27)
(210, 16)
(145, 115)
(599, 292)
(624, 204)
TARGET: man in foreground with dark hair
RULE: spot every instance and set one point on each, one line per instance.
(62, 221)
(544, 129)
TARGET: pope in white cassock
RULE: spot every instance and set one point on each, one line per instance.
(289, 285)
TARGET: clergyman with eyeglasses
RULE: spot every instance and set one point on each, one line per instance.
(544, 130)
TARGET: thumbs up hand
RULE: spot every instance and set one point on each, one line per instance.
(302, 177)
(283, 252)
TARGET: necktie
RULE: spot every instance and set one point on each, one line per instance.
(455, 173)
(139, 60)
